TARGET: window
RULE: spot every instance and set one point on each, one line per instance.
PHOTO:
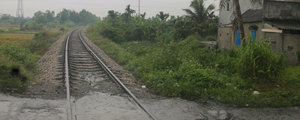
(253, 29)
(228, 5)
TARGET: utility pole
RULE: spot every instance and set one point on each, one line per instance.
(20, 13)
(139, 7)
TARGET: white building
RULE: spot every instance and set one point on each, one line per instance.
(227, 12)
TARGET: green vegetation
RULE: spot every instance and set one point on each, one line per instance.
(43, 40)
(16, 63)
(18, 58)
(124, 27)
(21, 47)
(45, 20)
(186, 69)
(258, 62)
(167, 54)
(298, 54)
(65, 18)
(19, 38)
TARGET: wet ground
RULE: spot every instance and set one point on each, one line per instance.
(105, 106)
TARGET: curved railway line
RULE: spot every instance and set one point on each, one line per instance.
(80, 60)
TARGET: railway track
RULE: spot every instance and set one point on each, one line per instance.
(80, 62)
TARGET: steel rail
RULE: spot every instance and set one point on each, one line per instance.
(67, 81)
(114, 77)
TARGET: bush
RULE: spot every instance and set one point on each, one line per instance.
(210, 38)
(298, 54)
(42, 41)
(189, 70)
(19, 54)
(17, 65)
(226, 61)
(14, 75)
(257, 61)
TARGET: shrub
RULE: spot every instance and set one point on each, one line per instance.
(19, 54)
(194, 80)
(298, 54)
(258, 62)
(13, 76)
(227, 60)
(189, 70)
(42, 41)
(16, 67)
(210, 38)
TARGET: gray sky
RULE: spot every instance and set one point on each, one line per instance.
(98, 7)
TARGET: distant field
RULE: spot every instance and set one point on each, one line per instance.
(8, 27)
(4, 28)
(20, 38)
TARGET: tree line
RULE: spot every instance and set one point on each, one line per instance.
(128, 26)
(40, 20)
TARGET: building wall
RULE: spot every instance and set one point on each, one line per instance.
(288, 43)
(225, 38)
(291, 46)
(226, 17)
(276, 41)
(278, 10)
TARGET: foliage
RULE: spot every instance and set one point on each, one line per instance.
(18, 53)
(210, 38)
(43, 40)
(16, 66)
(67, 18)
(8, 19)
(257, 61)
(18, 57)
(298, 54)
(19, 38)
(291, 77)
(124, 27)
(189, 70)
(83, 17)
(200, 15)
(162, 15)
(168, 55)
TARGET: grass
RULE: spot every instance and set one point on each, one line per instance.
(4, 28)
(185, 69)
(43, 40)
(291, 77)
(18, 38)
(19, 52)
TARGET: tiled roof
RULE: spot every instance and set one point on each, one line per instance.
(285, 24)
(253, 15)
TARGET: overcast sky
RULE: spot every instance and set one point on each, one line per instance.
(98, 7)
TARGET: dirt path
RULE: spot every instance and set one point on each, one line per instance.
(45, 100)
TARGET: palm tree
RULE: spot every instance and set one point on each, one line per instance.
(128, 11)
(162, 16)
(239, 14)
(199, 14)
(112, 14)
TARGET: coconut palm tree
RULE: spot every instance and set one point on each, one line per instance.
(162, 16)
(199, 14)
(128, 12)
